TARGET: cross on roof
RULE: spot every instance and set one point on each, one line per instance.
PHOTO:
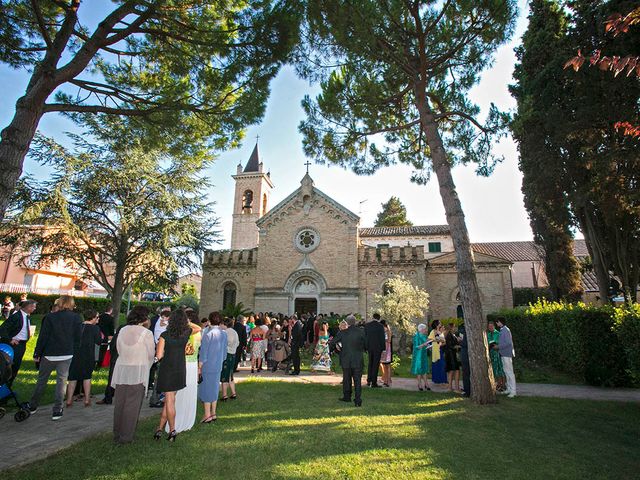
(307, 164)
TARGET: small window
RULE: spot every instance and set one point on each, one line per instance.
(382, 245)
(435, 247)
(228, 295)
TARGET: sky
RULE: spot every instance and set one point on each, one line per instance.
(493, 206)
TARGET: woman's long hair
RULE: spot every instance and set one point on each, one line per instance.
(178, 324)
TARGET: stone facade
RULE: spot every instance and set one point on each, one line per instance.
(311, 255)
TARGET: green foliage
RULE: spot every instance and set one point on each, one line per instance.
(575, 338)
(45, 302)
(187, 300)
(120, 212)
(393, 214)
(402, 305)
(578, 169)
(188, 289)
(233, 311)
(526, 296)
(627, 327)
(395, 60)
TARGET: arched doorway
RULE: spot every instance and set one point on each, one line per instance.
(305, 296)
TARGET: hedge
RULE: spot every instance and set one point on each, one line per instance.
(82, 303)
(526, 296)
(600, 344)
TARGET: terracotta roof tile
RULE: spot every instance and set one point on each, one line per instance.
(513, 251)
(404, 231)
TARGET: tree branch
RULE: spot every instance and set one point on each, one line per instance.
(41, 24)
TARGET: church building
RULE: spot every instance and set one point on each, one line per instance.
(309, 254)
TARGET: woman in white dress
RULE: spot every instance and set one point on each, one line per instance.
(187, 398)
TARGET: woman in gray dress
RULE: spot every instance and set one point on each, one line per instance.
(213, 352)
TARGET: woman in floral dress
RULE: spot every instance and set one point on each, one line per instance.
(321, 358)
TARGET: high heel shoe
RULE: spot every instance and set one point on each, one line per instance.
(157, 435)
(233, 397)
(224, 399)
(172, 436)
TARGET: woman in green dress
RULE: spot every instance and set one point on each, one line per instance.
(419, 358)
(493, 338)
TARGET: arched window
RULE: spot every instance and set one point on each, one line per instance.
(264, 203)
(459, 311)
(228, 294)
(247, 201)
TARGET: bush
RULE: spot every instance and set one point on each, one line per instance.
(627, 328)
(577, 339)
(82, 303)
(528, 296)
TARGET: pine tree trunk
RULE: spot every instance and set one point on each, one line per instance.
(15, 140)
(482, 382)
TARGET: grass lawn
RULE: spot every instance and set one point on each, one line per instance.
(291, 431)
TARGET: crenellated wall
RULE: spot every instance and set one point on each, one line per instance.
(222, 266)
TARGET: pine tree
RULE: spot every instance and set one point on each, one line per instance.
(393, 214)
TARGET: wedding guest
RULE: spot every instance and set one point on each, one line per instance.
(172, 373)
(351, 344)
(84, 358)
(107, 329)
(507, 352)
(297, 342)
(321, 357)
(241, 330)
(54, 349)
(226, 376)
(374, 333)
(452, 363)
(420, 358)
(156, 400)
(257, 335)
(387, 355)
(493, 339)
(135, 349)
(16, 331)
(213, 352)
(7, 306)
(187, 398)
(438, 372)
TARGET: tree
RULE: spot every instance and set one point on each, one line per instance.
(194, 72)
(393, 214)
(401, 304)
(395, 90)
(121, 212)
(539, 91)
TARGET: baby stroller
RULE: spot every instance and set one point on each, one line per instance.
(6, 359)
(281, 354)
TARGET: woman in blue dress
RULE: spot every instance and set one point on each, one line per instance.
(419, 357)
(438, 371)
(213, 352)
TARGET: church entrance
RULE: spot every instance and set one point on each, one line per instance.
(306, 305)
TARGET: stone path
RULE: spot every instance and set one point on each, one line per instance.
(39, 437)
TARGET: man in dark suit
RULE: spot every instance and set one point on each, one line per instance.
(107, 328)
(464, 359)
(351, 343)
(240, 326)
(16, 332)
(374, 332)
(296, 342)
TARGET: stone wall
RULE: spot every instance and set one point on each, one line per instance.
(377, 265)
(220, 267)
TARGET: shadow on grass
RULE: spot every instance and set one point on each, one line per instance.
(278, 430)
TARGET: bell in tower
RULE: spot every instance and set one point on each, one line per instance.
(253, 189)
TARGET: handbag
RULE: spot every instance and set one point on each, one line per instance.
(189, 348)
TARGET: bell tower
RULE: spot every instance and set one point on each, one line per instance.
(253, 192)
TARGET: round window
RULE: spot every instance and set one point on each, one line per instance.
(307, 240)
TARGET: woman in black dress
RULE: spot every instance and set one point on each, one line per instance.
(451, 357)
(172, 374)
(84, 358)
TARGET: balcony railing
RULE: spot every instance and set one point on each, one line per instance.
(19, 288)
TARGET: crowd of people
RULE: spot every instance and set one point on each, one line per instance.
(176, 358)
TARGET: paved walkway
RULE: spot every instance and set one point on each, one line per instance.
(39, 437)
